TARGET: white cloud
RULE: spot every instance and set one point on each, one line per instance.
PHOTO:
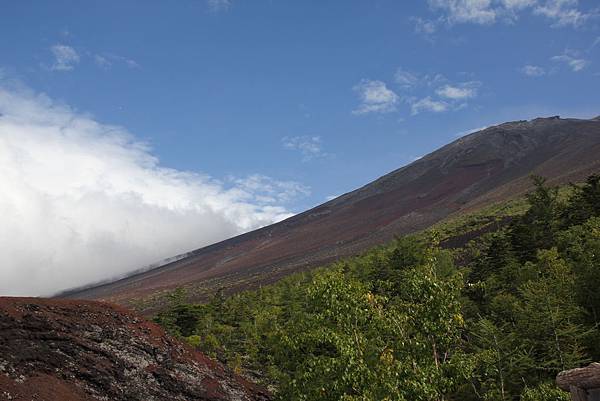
(464, 91)
(107, 60)
(533, 70)
(102, 61)
(406, 79)
(375, 97)
(65, 57)
(261, 189)
(131, 63)
(428, 104)
(459, 11)
(218, 5)
(561, 12)
(517, 4)
(410, 80)
(421, 92)
(576, 64)
(310, 147)
(424, 26)
(83, 201)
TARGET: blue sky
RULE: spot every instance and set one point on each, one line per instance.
(293, 102)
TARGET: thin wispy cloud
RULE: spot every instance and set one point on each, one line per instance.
(532, 70)
(65, 58)
(102, 61)
(262, 189)
(466, 90)
(432, 92)
(563, 12)
(570, 59)
(84, 201)
(460, 11)
(486, 12)
(576, 60)
(310, 147)
(375, 97)
(428, 104)
(425, 27)
(108, 60)
(406, 79)
(218, 5)
(410, 79)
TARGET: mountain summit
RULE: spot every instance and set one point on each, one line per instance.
(490, 165)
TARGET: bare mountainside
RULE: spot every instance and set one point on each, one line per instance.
(58, 350)
(478, 169)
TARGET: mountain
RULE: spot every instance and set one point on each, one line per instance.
(487, 166)
(56, 350)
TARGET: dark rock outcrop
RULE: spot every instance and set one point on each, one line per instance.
(57, 350)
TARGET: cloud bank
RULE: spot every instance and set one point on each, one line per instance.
(83, 201)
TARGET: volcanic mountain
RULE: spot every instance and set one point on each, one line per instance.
(487, 166)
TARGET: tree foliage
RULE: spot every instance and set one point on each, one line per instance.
(404, 322)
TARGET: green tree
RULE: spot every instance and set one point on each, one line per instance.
(584, 203)
(502, 360)
(536, 229)
(550, 318)
(545, 392)
(352, 344)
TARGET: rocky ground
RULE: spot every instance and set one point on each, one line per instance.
(58, 350)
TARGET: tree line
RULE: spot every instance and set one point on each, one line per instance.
(406, 322)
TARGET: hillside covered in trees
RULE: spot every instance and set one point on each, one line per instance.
(493, 317)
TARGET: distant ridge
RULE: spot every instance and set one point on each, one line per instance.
(473, 171)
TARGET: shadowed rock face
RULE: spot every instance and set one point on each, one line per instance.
(55, 350)
(484, 167)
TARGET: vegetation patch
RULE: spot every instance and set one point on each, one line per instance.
(409, 322)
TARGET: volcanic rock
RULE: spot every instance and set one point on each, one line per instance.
(59, 350)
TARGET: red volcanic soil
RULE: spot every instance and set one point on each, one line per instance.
(481, 168)
(60, 350)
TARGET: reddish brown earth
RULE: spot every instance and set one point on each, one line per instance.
(60, 350)
(478, 169)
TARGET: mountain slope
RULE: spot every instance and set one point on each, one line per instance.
(59, 350)
(473, 171)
